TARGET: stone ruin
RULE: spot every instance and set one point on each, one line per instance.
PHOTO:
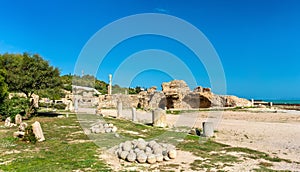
(174, 95)
(8, 123)
(142, 151)
(100, 127)
(36, 128)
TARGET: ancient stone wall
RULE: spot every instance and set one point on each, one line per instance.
(175, 94)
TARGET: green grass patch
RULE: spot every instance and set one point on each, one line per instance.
(254, 154)
(54, 154)
(208, 150)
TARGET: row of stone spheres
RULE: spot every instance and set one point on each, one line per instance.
(103, 128)
(141, 151)
(175, 94)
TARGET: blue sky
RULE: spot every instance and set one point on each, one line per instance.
(258, 42)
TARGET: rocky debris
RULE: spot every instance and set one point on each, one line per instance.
(8, 123)
(23, 126)
(19, 134)
(38, 132)
(103, 128)
(140, 151)
(18, 119)
(21, 131)
(233, 101)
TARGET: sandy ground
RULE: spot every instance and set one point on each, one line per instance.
(275, 133)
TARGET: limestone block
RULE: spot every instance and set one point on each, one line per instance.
(159, 118)
(38, 132)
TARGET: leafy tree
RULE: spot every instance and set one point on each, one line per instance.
(3, 87)
(101, 86)
(67, 82)
(29, 74)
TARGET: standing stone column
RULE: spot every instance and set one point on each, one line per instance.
(38, 132)
(133, 110)
(159, 118)
(119, 108)
(208, 129)
(109, 90)
(75, 104)
(252, 102)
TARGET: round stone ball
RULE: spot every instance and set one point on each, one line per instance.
(141, 145)
(148, 149)
(114, 129)
(131, 157)
(157, 151)
(141, 140)
(118, 152)
(159, 158)
(124, 154)
(151, 159)
(156, 146)
(151, 143)
(141, 157)
(127, 146)
(108, 130)
(172, 154)
(97, 130)
(137, 150)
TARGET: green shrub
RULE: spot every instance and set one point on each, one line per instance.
(12, 107)
(29, 135)
(60, 106)
(42, 104)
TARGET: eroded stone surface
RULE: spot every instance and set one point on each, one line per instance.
(38, 132)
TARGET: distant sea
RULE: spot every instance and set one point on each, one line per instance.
(283, 101)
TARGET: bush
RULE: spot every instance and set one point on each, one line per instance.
(60, 106)
(42, 104)
(51, 105)
(29, 135)
(12, 107)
